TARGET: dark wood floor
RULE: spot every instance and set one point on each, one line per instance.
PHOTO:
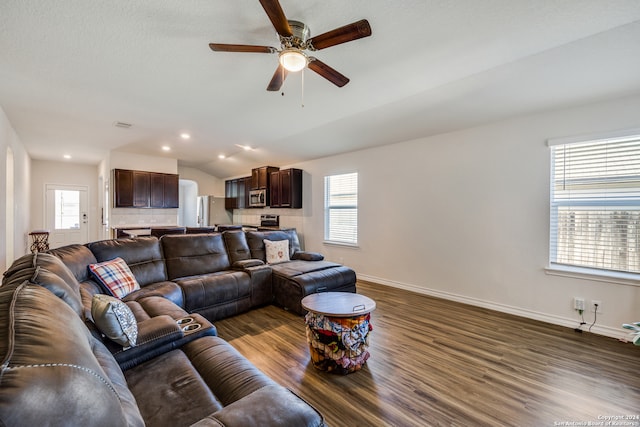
(440, 363)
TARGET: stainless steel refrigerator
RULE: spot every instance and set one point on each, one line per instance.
(211, 211)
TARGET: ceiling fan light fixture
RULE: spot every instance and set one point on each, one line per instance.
(293, 59)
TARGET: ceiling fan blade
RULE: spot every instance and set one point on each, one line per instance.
(327, 72)
(354, 31)
(278, 79)
(221, 47)
(277, 17)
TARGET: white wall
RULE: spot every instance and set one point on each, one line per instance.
(465, 216)
(208, 185)
(20, 210)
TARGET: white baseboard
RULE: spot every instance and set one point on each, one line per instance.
(517, 311)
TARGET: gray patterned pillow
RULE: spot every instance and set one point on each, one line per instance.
(114, 319)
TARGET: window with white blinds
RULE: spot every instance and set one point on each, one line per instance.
(341, 208)
(595, 204)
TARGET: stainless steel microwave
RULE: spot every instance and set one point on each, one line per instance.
(258, 198)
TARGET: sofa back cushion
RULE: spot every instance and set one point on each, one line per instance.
(194, 254)
(237, 246)
(143, 255)
(76, 258)
(255, 240)
(49, 272)
(54, 371)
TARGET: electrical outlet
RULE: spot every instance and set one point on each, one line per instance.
(593, 306)
(578, 303)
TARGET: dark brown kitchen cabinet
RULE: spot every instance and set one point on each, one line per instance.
(156, 190)
(123, 188)
(163, 191)
(260, 177)
(286, 189)
(231, 194)
(242, 196)
(236, 193)
(140, 189)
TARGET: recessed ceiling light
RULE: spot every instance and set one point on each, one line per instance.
(67, 156)
(185, 135)
(244, 147)
(166, 148)
(222, 156)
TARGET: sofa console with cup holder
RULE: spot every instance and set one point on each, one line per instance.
(120, 332)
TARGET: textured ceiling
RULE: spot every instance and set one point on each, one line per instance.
(69, 69)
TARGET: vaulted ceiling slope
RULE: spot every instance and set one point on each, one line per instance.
(70, 69)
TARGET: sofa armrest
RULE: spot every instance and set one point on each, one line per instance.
(247, 263)
(156, 335)
(269, 406)
(307, 256)
(160, 334)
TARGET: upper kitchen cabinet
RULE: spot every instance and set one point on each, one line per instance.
(164, 190)
(123, 188)
(286, 189)
(260, 177)
(236, 193)
(139, 189)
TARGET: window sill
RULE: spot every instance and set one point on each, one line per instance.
(344, 244)
(617, 277)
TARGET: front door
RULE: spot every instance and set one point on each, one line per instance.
(66, 214)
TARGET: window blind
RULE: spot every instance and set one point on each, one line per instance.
(595, 204)
(341, 208)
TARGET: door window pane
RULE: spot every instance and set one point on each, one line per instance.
(67, 209)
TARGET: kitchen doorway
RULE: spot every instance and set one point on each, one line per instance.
(188, 205)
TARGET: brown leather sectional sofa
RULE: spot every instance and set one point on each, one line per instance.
(59, 368)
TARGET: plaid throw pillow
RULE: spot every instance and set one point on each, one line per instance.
(115, 277)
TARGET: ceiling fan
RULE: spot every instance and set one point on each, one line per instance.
(294, 40)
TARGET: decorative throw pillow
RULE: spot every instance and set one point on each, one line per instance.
(114, 319)
(277, 251)
(115, 277)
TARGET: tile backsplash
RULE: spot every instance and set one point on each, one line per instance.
(288, 217)
(133, 217)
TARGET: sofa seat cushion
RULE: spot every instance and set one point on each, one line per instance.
(168, 290)
(170, 392)
(250, 398)
(209, 381)
(294, 280)
(263, 408)
(297, 267)
(224, 293)
(152, 306)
